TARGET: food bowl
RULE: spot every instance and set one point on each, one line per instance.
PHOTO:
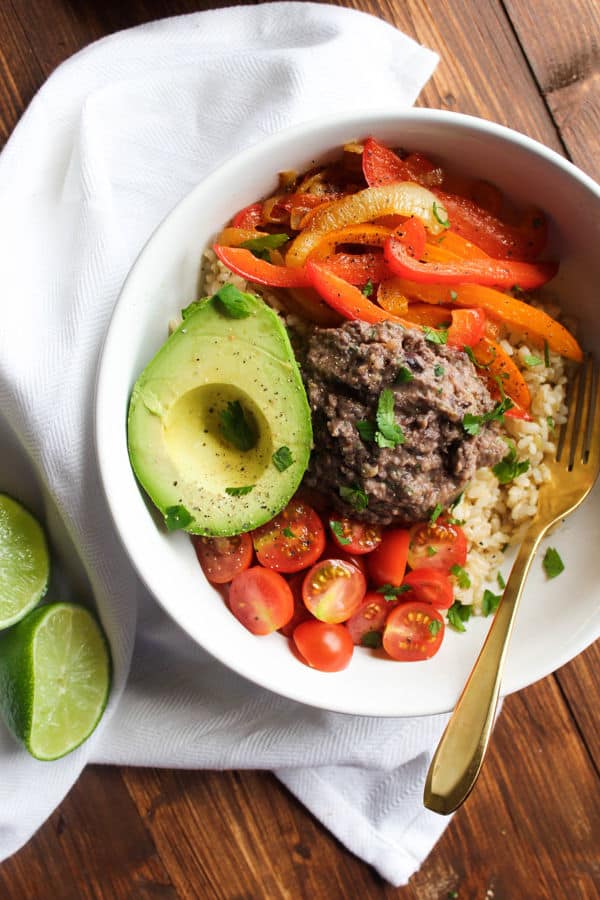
(558, 618)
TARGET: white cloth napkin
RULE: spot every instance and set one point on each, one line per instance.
(113, 140)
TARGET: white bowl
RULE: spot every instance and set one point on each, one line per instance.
(558, 618)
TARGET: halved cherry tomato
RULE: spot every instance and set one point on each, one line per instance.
(301, 614)
(333, 590)
(261, 600)
(436, 546)
(467, 328)
(387, 564)
(244, 263)
(323, 646)
(291, 541)
(355, 537)
(332, 551)
(223, 558)
(249, 217)
(370, 616)
(430, 586)
(413, 631)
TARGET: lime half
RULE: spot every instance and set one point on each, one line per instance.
(24, 562)
(54, 678)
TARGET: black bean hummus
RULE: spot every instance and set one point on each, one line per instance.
(346, 369)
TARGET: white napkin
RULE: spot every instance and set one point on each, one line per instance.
(113, 140)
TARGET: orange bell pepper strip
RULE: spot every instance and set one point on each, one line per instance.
(234, 237)
(371, 235)
(535, 324)
(452, 246)
(244, 263)
(391, 296)
(465, 326)
(501, 370)
(345, 298)
(431, 316)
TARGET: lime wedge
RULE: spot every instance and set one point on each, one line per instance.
(24, 562)
(54, 678)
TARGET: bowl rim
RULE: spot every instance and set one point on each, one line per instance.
(358, 119)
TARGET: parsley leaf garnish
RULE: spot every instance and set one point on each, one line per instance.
(434, 626)
(552, 563)
(338, 530)
(509, 467)
(404, 375)
(550, 422)
(490, 602)
(458, 614)
(436, 213)
(472, 424)
(239, 491)
(471, 355)
(233, 303)
(461, 575)
(436, 513)
(368, 288)
(435, 335)
(438, 371)
(177, 517)
(430, 551)
(532, 361)
(282, 458)
(261, 246)
(355, 496)
(366, 429)
(287, 532)
(453, 296)
(500, 580)
(372, 639)
(236, 428)
(391, 591)
(389, 432)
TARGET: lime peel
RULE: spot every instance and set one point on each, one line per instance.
(24, 562)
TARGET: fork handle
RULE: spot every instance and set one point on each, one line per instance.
(459, 756)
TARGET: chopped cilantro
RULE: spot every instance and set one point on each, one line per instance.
(435, 335)
(472, 424)
(552, 563)
(236, 428)
(436, 513)
(509, 467)
(371, 639)
(338, 530)
(368, 288)
(261, 246)
(389, 433)
(430, 551)
(282, 458)
(366, 430)
(452, 895)
(456, 500)
(391, 591)
(461, 575)
(550, 423)
(434, 626)
(471, 355)
(438, 371)
(239, 491)
(355, 496)
(458, 614)
(490, 602)
(532, 361)
(288, 533)
(453, 296)
(177, 517)
(500, 580)
(546, 354)
(233, 303)
(404, 375)
(436, 213)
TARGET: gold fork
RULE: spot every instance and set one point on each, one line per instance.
(459, 756)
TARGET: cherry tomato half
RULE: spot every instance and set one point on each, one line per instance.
(413, 631)
(333, 590)
(387, 564)
(301, 614)
(370, 616)
(332, 551)
(292, 541)
(223, 558)
(355, 537)
(430, 586)
(437, 546)
(324, 646)
(261, 600)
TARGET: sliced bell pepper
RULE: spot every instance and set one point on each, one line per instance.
(465, 327)
(370, 235)
(382, 166)
(345, 298)
(501, 370)
(452, 246)
(249, 217)
(431, 316)
(391, 296)
(233, 237)
(358, 268)
(505, 273)
(244, 263)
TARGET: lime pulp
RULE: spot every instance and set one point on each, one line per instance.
(24, 562)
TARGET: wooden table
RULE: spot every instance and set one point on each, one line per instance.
(532, 828)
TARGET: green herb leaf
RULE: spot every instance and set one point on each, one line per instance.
(391, 591)
(546, 354)
(436, 214)
(434, 626)
(438, 371)
(177, 517)
(282, 458)
(389, 429)
(500, 580)
(287, 532)
(456, 500)
(239, 491)
(472, 424)
(552, 563)
(435, 335)
(452, 895)
(261, 246)
(368, 288)
(355, 496)
(233, 303)
(236, 428)
(550, 423)
(372, 639)
(338, 530)
(436, 513)
(532, 361)
(458, 614)
(404, 375)
(509, 467)
(366, 430)
(490, 602)
(471, 355)
(461, 575)
(430, 551)
(453, 296)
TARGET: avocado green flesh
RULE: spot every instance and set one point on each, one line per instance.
(176, 443)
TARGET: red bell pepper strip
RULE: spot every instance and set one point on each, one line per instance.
(244, 263)
(467, 328)
(358, 268)
(345, 298)
(413, 236)
(382, 166)
(249, 217)
(504, 273)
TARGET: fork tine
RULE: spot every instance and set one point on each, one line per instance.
(591, 447)
(581, 417)
(565, 438)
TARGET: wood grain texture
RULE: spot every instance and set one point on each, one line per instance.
(530, 830)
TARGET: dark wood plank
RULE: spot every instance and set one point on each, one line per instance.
(580, 683)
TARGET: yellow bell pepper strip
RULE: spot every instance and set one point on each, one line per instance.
(345, 298)
(370, 235)
(501, 370)
(403, 198)
(234, 237)
(505, 273)
(535, 324)
(391, 296)
(244, 263)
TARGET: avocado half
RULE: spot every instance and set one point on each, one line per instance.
(195, 470)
